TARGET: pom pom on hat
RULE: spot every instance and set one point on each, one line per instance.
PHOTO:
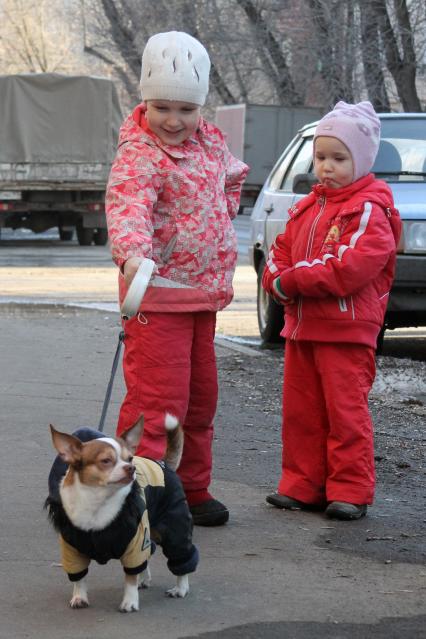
(358, 127)
(175, 66)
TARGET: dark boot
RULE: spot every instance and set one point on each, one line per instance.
(345, 511)
(282, 501)
(289, 503)
(209, 513)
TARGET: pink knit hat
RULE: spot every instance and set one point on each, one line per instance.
(358, 127)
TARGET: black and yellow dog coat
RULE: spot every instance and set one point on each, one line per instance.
(154, 512)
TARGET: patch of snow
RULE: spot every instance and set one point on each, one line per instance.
(403, 377)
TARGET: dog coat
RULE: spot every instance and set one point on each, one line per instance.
(156, 501)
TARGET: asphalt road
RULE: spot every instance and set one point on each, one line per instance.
(267, 573)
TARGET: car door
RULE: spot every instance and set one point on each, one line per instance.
(280, 195)
(266, 204)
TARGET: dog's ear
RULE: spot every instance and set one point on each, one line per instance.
(133, 436)
(68, 446)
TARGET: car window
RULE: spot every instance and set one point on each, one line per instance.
(301, 164)
(282, 165)
(402, 151)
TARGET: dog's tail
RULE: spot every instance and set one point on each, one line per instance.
(174, 441)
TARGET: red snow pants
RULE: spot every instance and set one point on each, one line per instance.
(327, 429)
(169, 366)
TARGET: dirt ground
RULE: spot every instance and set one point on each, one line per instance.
(395, 529)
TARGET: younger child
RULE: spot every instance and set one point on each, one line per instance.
(173, 191)
(333, 269)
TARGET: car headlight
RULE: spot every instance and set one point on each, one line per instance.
(413, 238)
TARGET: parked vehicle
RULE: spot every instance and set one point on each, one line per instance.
(57, 141)
(256, 134)
(401, 161)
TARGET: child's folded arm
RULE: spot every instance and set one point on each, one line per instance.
(358, 259)
(278, 260)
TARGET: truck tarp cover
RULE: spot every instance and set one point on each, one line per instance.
(51, 118)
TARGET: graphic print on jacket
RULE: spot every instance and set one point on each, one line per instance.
(175, 205)
(338, 254)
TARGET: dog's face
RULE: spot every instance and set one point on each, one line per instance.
(99, 462)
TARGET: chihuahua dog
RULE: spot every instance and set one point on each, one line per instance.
(106, 503)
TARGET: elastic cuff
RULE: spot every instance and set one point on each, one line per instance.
(77, 576)
(276, 285)
(184, 567)
(136, 570)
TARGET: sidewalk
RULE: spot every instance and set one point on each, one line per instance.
(98, 284)
(268, 573)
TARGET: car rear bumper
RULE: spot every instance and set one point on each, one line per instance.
(410, 271)
(409, 289)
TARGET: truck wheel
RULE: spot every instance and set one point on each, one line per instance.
(100, 237)
(270, 315)
(84, 236)
(65, 235)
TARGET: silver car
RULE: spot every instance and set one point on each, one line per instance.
(401, 161)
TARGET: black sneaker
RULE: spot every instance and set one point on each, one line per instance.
(345, 511)
(209, 513)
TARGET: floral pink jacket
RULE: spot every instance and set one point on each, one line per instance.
(174, 204)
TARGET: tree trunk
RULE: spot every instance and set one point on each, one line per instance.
(217, 81)
(371, 54)
(402, 68)
(277, 64)
(129, 84)
(123, 35)
(327, 41)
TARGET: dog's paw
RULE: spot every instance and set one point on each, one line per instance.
(79, 597)
(146, 583)
(181, 589)
(130, 601)
(79, 602)
(129, 605)
(175, 592)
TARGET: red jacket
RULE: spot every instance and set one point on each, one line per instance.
(334, 265)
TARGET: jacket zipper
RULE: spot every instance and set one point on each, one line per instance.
(313, 228)
(342, 304)
(323, 202)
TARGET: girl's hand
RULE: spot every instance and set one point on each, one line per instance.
(130, 268)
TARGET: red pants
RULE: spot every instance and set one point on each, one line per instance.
(169, 366)
(327, 429)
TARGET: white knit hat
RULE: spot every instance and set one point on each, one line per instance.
(358, 127)
(175, 66)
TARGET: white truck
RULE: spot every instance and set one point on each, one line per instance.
(58, 136)
(257, 134)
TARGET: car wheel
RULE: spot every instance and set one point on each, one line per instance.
(100, 237)
(380, 340)
(84, 236)
(270, 315)
(65, 235)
